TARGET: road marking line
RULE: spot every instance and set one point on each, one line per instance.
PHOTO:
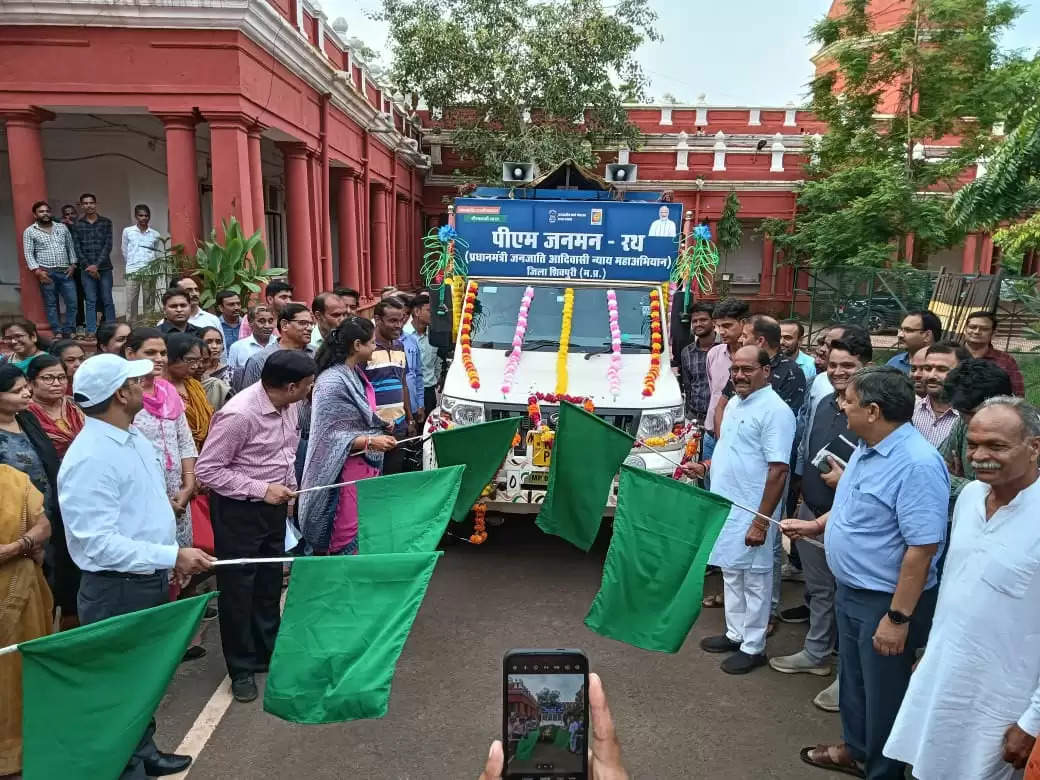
(205, 724)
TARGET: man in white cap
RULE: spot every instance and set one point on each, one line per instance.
(118, 520)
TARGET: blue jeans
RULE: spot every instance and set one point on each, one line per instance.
(65, 287)
(94, 289)
(873, 685)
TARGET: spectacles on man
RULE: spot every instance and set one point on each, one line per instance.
(910, 330)
(303, 323)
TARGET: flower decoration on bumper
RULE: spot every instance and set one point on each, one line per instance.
(614, 369)
(445, 256)
(695, 267)
(565, 338)
(518, 341)
(464, 335)
(656, 344)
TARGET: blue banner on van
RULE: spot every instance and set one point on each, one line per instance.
(569, 240)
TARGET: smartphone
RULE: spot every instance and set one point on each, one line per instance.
(545, 714)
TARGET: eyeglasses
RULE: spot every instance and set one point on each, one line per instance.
(977, 328)
(191, 361)
(52, 379)
(910, 330)
(303, 323)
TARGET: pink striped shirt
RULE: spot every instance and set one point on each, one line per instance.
(250, 445)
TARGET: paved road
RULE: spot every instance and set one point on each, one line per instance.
(678, 715)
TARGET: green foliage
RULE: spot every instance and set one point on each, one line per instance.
(236, 264)
(729, 230)
(864, 191)
(487, 63)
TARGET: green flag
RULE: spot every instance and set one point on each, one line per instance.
(481, 448)
(346, 620)
(586, 455)
(404, 513)
(91, 692)
(653, 577)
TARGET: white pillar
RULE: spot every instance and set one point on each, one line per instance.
(981, 166)
(754, 116)
(622, 154)
(666, 116)
(777, 165)
(435, 154)
(719, 164)
(790, 115)
(682, 153)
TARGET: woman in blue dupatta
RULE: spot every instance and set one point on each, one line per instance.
(347, 439)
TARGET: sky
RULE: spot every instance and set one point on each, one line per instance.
(566, 684)
(740, 52)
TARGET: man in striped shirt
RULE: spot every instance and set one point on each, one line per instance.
(51, 255)
(934, 417)
(387, 370)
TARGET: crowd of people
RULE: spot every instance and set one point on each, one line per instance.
(125, 474)
(905, 490)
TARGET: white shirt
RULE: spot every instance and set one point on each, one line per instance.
(139, 249)
(112, 494)
(242, 350)
(981, 670)
(662, 227)
(756, 431)
(205, 319)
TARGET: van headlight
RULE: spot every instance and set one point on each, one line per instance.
(462, 412)
(659, 422)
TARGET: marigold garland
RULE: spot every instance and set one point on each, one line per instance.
(456, 283)
(565, 338)
(479, 535)
(464, 340)
(656, 343)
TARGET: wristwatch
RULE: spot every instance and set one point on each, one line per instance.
(898, 617)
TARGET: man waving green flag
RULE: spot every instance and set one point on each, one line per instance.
(586, 455)
(653, 577)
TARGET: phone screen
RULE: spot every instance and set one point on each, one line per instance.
(545, 714)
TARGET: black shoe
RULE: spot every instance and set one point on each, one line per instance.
(193, 652)
(166, 764)
(719, 644)
(799, 614)
(742, 663)
(243, 688)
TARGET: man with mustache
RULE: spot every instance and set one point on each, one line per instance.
(973, 705)
(917, 362)
(749, 466)
(883, 533)
(934, 417)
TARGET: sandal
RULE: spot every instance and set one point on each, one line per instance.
(712, 602)
(830, 757)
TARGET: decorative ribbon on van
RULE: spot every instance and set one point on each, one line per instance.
(696, 264)
(445, 257)
(518, 341)
(464, 330)
(656, 343)
(565, 338)
(614, 369)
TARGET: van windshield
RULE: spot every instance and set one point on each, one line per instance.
(497, 306)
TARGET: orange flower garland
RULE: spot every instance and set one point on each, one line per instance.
(479, 535)
(464, 328)
(656, 343)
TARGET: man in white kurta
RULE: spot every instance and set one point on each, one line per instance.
(973, 705)
(749, 467)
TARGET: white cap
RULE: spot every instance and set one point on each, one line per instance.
(98, 378)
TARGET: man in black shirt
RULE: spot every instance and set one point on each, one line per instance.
(786, 376)
(826, 425)
(176, 310)
(693, 368)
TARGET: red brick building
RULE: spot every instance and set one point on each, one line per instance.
(205, 109)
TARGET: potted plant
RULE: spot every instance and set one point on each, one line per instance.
(237, 264)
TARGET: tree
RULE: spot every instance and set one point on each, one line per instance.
(884, 95)
(533, 80)
(729, 229)
(670, 99)
(547, 698)
(1010, 187)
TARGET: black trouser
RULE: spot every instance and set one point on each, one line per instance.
(248, 601)
(873, 685)
(429, 399)
(109, 594)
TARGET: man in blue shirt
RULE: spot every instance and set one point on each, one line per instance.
(918, 330)
(791, 334)
(882, 535)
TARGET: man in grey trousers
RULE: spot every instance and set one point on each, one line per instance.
(119, 524)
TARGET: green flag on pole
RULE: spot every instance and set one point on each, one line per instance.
(653, 577)
(404, 513)
(90, 692)
(346, 620)
(481, 449)
(586, 455)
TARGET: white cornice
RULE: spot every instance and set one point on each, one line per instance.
(257, 19)
(707, 185)
(736, 143)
